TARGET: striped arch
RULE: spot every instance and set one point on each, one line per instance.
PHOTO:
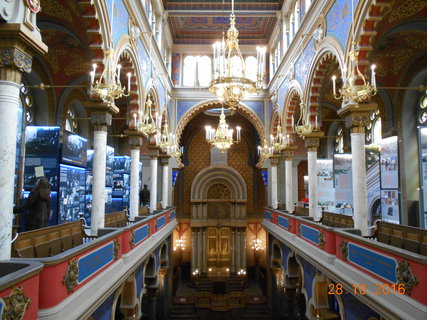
(274, 122)
(194, 111)
(291, 107)
(95, 15)
(127, 57)
(368, 15)
(326, 57)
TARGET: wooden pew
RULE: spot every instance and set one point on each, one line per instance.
(337, 220)
(49, 241)
(408, 238)
(301, 211)
(117, 219)
(143, 211)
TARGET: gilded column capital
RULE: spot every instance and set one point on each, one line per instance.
(153, 152)
(274, 160)
(288, 152)
(357, 116)
(312, 140)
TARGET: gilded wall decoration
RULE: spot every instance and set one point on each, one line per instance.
(15, 304)
(344, 249)
(71, 276)
(408, 8)
(55, 9)
(116, 249)
(322, 240)
(132, 239)
(405, 276)
(219, 191)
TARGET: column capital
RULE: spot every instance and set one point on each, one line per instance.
(17, 47)
(101, 114)
(153, 152)
(357, 115)
(274, 160)
(164, 158)
(135, 138)
(288, 152)
(312, 140)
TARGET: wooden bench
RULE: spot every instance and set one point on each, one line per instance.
(117, 219)
(301, 211)
(143, 211)
(337, 220)
(408, 238)
(49, 241)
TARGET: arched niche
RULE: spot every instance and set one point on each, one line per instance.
(218, 192)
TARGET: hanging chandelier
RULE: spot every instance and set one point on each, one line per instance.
(266, 151)
(229, 81)
(108, 87)
(148, 124)
(222, 137)
(279, 142)
(355, 88)
(304, 125)
(167, 143)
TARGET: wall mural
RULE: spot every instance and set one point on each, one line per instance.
(176, 66)
(281, 94)
(257, 107)
(160, 93)
(120, 19)
(182, 107)
(338, 20)
(303, 63)
(144, 63)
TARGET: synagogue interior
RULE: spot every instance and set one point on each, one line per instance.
(205, 159)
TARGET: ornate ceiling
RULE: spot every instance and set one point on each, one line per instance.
(203, 21)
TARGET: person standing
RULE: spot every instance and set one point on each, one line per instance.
(144, 196)
(38, 206)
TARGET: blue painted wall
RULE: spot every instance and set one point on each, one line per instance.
(338, 20)
(104, 310)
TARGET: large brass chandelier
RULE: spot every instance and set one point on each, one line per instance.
(355, 88)
(229, 81)
(304, 125)
(166, 141)
(108, 87)
(148, 124)
(222, 137)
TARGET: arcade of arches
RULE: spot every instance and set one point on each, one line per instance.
(329, 225)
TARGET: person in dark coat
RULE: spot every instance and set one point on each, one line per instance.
(38, 206)
(144, 196)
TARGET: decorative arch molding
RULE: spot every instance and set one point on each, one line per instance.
(194, 111)
(275, 119)
(126, 53)
(290, 106)
(368, 14)
(95, 15)
(218, 174)
(323, 59)
(276, 257)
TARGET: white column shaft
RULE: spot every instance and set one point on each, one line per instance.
(9, 101)
(274, 202)
(359, 183)
(153, 191)
(312, 184)
(289, 186)
(165, 186)
(134, 183)
(98, 187)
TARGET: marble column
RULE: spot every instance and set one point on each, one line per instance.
(17, 46)
(153, 188)
(165, 181)
(312, 143)
(274, 161)
(193, 249)
(101, 115)
(135, 141)
(357, 118)
(288, 153)
(233, 251)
